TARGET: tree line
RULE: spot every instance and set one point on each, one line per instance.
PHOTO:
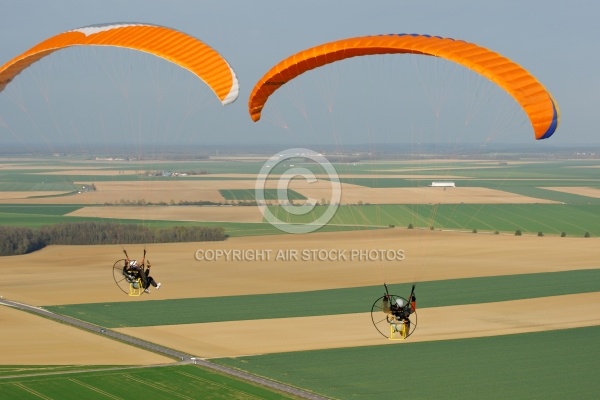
(19, 240)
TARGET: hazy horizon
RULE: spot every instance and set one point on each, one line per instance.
(215, 149)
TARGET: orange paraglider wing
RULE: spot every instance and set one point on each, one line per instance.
(174, 46)
(535, 100)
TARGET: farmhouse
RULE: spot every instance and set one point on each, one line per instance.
(443, 184)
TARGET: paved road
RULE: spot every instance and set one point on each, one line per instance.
(184, 358)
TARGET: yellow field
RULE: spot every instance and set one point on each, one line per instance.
(583, 191)
(28, 339)
(174, 213)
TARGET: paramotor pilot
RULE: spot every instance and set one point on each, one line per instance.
(135, 270)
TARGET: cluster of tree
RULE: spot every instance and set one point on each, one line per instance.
(176, 173)
(143, 202)
(18, 240)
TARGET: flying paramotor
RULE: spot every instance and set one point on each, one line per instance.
(393, 316)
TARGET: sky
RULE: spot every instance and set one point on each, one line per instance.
(66, 93)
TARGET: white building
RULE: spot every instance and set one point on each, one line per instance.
(443, 184)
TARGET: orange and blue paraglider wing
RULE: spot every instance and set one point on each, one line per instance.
(531, 95)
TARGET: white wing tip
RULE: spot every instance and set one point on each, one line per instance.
(234, 92)
(93, 29)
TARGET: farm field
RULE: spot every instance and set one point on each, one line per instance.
(487, 301)
(163, 382)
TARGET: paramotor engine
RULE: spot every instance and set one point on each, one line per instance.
(128, 280)
(128, 283)
(393, 316)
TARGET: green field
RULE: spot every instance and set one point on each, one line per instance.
(547, 365)
(168, 382)
(249, 194)
(574, 220)
(329, 302)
